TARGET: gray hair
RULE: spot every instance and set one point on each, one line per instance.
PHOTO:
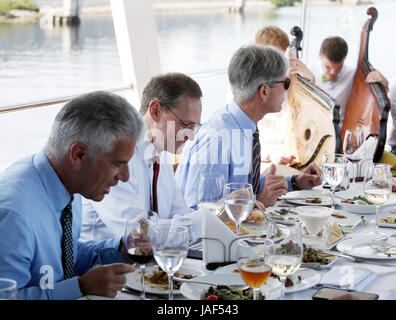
(253, 65)
(96, 119)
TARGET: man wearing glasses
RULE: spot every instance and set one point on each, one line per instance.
(171, 109)
(228, 143)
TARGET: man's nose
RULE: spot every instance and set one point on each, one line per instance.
(123, 175)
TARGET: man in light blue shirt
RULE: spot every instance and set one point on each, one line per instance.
(91, 142)
(225, 144)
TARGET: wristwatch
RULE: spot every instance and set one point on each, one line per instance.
(294, 183)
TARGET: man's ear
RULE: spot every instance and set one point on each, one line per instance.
(78, 153)
(264, 91)
(154, 110)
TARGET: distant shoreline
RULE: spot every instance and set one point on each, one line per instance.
(23, 16)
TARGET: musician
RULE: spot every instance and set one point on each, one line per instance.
(273, 125)
(228, 143)
(335, 77)
(392, 137)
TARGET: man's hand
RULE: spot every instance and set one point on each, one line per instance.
(279, 158)
(376, 76)
(311, 177)
(274, 186)
(105, 280)
(298, 67)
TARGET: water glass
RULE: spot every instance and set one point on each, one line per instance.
(377, 189)
(210, 192)
(334, 170)
(170, 247)
(8, 289)
(238, 202)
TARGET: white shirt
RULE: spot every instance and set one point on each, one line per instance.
(106, 219)
(392, 98)
(339, 90)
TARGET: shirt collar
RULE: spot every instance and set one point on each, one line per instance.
(147, 148)
(57, 192)
(242, 119)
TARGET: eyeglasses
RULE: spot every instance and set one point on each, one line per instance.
(190, 126)
(286, 83)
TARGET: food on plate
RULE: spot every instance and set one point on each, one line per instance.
(313, 255)
(314, 200)
(283, 214)
(389, 220)
(291, 280)
(336, 234)
(338, 215)
(257, 215)
(161, 278)
(231, 224)
(352, 201)
(221, 292)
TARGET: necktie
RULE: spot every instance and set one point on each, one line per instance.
(256, 162)
(67, 242)
(325, 78)
(156, 169)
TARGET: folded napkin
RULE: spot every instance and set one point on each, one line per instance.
(217, 238)
(348, 277)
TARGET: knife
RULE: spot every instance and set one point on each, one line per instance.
(358, 260)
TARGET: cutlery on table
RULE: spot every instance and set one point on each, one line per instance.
(241, 287)
(358, 260)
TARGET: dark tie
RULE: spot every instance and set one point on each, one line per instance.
(156, 168)
(256, 162)
(67, 242)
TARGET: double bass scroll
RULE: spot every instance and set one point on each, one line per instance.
(313, 117)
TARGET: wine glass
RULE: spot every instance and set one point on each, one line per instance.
(251, 255)
(138, 238)
(238, 202)
(353, 139)
(8, 289)
(334, 170)
(210, 192)
(377, 188)
(170, 246)
(286, 256)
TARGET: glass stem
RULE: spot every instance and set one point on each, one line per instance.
(283, 288)
(256, 292)
(238, 228)
(332, 200)
(354, 175)
(170, 285)
(143, 292)
(376, 220)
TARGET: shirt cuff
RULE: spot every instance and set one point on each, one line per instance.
(67, 290)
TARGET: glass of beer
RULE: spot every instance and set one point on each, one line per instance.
(251, 253)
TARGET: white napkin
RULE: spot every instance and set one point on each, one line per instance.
(348, 277)
(214, 228)
(367, 149)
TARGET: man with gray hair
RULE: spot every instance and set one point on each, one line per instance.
(92, 139)
(228, 144)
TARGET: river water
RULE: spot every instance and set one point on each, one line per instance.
(37, 63)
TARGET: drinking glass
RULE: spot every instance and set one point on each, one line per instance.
(286, 256)
(334, 170)
(210, 192)
(170, 246)
(238, 202)
(8, 289)
(251, 255)
(353, 139)
(138, 239)
(377, 189)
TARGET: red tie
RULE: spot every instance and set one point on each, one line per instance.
(156, 168)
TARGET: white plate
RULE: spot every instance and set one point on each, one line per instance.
(309, 278)
(358, 247)
(387, 224)
(346, 221)
(359, 208)
(133, 279)
(326, 200)
(288, 218)
(194, 291)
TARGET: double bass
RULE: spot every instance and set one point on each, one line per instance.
(313, 117)
(368, 104)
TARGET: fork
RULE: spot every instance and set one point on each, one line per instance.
(358, 260)
(381, 247)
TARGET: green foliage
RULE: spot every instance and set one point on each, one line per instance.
(7, 5)
(284, 3)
